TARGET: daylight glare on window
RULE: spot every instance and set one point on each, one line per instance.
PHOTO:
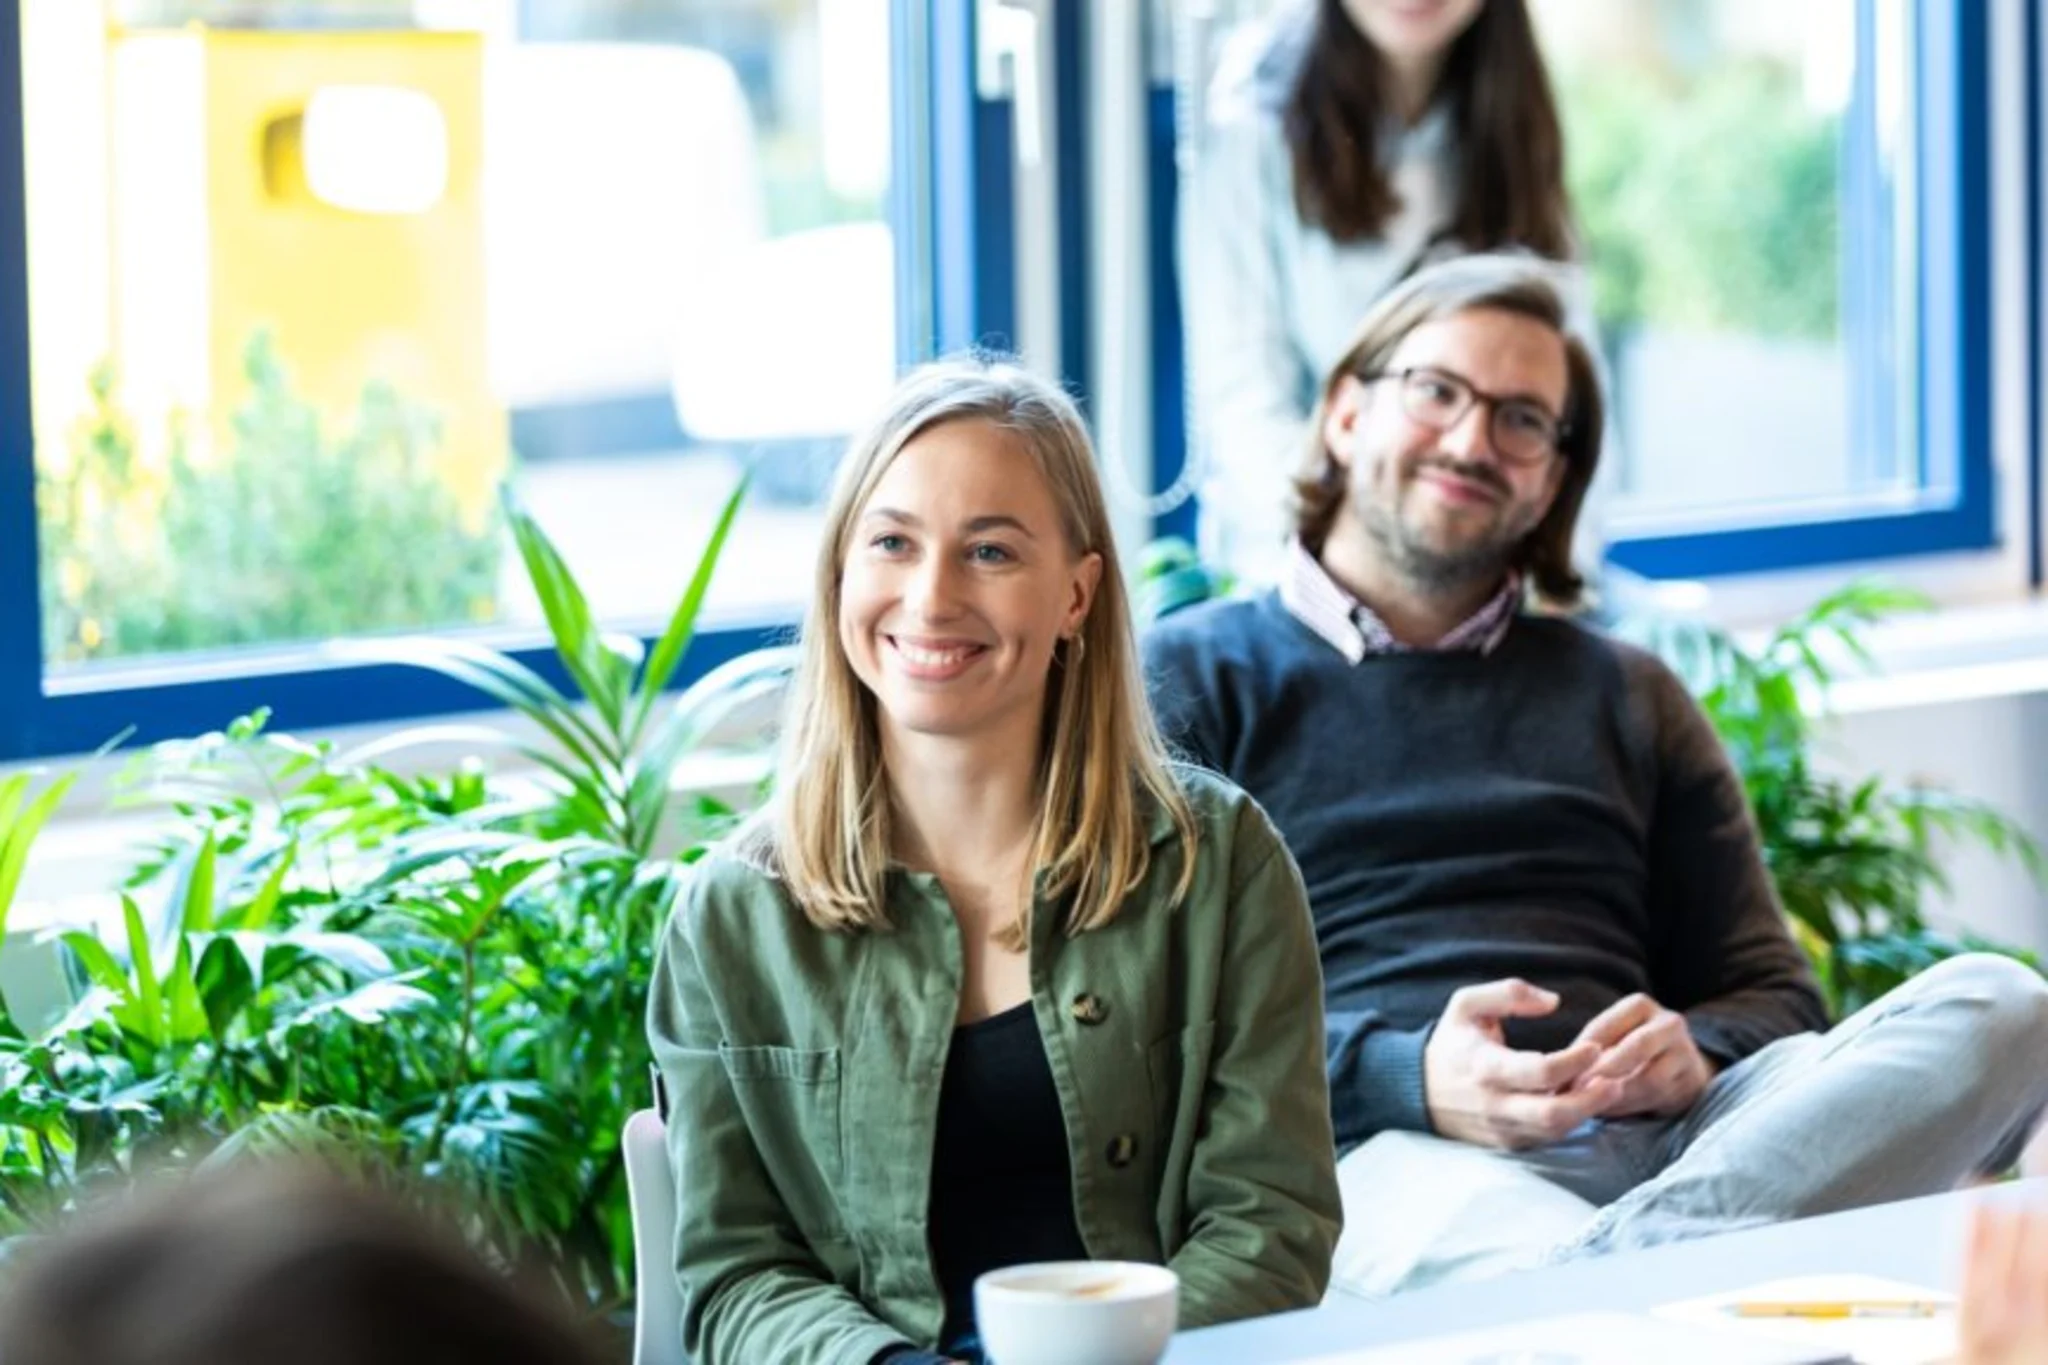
(311, 283)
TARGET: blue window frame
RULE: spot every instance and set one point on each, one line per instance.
(973, 210)
(1953, 357)
(21, 614)
(949, 200)
(1951, 448)
(2036, 64)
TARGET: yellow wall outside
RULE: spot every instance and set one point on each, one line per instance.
(351, 297)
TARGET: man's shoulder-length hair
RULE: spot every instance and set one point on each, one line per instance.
(1509, 282)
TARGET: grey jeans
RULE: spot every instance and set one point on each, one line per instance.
(1942, 1079)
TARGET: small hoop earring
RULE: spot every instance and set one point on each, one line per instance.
(1077, 648)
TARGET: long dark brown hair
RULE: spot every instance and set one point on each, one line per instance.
(1504, 129)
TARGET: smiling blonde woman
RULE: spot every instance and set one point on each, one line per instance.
(991, 980)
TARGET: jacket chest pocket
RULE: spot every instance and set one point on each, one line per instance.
(791, 1099)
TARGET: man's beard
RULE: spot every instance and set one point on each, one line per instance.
(1484, 559)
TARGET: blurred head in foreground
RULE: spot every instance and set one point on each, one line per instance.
(269, 1265)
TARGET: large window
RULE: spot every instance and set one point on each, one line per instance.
(1784, 216)
(291, 289)
(308, 286)
(310, 283)
(1712, 149)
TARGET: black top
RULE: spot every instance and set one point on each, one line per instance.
(1557, 809)
(1002, 1185)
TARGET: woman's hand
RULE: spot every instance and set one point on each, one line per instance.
(2003, 1317)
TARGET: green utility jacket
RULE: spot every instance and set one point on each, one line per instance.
(803, 1066)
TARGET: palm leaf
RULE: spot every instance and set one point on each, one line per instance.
(682, 622)
(503, 679)
(262, 907)
(195, 896)
(707, 703)
(185, 1016)
(21, 819)
(142, 971)
(578, 641)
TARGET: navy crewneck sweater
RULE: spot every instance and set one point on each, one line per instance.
(1557, 809)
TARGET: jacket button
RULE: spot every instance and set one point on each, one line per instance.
(1089, 1008)
(1122, 1148)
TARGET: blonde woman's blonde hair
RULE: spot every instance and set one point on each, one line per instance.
(1103, 769)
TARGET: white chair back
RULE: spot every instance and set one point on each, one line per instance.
(651, 1189)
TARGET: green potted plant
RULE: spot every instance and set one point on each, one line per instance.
(300, 529)
(437, 977)
(1856, 860)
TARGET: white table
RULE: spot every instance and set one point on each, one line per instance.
(1916, 1240)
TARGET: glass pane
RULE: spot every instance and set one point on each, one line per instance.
(1741, 177)
(311, 279)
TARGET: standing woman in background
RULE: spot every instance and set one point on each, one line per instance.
(1342, 145)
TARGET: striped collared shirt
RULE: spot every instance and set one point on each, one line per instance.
(1354, 630)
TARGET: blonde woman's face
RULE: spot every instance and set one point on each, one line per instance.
(958, 585)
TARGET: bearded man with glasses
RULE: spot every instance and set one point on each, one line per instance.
(1565, 1015)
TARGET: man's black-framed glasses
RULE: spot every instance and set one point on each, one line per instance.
(1524, 431)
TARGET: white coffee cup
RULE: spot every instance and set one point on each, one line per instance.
(1076, 1313)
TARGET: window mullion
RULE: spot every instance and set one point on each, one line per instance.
(21, 644)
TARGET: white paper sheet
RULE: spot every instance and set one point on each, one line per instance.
(1867, 1341)
(1591, 1339)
